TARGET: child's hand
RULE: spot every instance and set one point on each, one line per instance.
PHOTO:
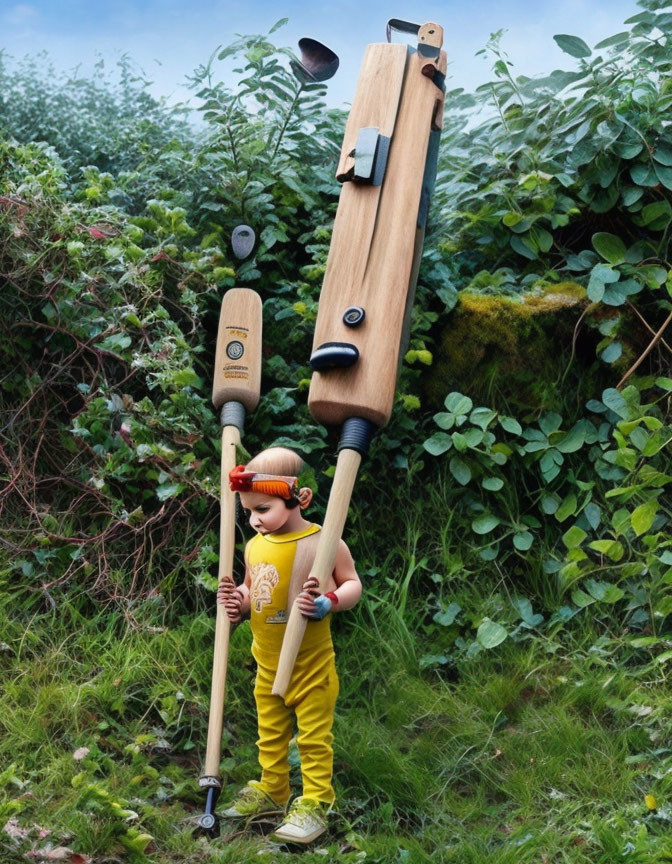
(312, 604)
(230, 597)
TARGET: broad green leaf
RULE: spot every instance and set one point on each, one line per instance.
(610, 247)
(593, 514)
(523, 540)
(523, 246)
(567, 508)
(572, 45)
(492, 484)
(168, 490)
(574, 537)
(604, 591)
(510, 425)
(482, 417)
(445, 420)
(581, 599)
(643, 516)
(664, 174)
(484, 524)
(611, 548)
(614, 400)
(439, 443)
(460, 470)
(573, 440)
(612, 352)
(489, 553)
(643, 174)
(617, 39)
(550, 422)
(655, 211)
(490, 634)
(663, 153)
(278, 25)
(456, 403)
(549, 504)
(446, 617)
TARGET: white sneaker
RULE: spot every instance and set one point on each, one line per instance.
(305, 822)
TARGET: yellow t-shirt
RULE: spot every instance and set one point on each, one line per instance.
(270, 558)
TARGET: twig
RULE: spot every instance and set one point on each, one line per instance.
(647, 325)
(646, 352)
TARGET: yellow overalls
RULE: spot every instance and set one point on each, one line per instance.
(313, 688)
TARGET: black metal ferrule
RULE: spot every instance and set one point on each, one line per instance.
(211, 798)
(356, 435)
(233, 414)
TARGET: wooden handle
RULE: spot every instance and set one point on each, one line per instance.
(323, 565)
(238, 355)
(227, 539)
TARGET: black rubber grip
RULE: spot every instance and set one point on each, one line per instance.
(356, 435)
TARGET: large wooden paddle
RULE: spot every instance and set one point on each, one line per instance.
(387, 166)
(236, 390)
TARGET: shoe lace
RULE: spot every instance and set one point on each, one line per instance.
(303, 810)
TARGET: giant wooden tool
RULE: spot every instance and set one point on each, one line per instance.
(235, 391)
(387, 167)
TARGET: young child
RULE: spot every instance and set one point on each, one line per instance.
(277, 564)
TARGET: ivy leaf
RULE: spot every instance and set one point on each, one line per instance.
(664, 174)
(460, 470)
(643, 516)
(523, 540)
(572, 45)
(484, 524)
(610, 247)
(612, 352)
(456, 403)
(490, 634)
(439, 443)
(604, 591)
(510, 425)
(446, 617)
(574, 537)
(566, 508)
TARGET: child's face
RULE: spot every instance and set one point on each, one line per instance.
(267, 513)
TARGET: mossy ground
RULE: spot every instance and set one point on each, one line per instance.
(539, 751)
(511, 352)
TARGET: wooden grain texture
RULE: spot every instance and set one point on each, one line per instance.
(376, 276)
(238, 356)
(376, 101)
(347, 466)
(227, 539)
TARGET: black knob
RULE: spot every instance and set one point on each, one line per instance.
(353, 316)
(333, 355)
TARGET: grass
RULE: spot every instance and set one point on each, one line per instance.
(541, 750)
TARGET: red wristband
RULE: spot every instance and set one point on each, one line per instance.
(332, 596)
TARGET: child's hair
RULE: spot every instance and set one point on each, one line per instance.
(278, 460)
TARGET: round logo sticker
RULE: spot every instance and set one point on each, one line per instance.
(235, 350)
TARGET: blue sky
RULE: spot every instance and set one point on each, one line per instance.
(169, 38)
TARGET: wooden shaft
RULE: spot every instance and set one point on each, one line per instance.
(227, 539)
(323, 565)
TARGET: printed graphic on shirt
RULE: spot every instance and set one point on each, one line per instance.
(280, 617)
(264, 577)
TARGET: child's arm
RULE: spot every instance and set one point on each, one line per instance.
(345, 595)
(236, 599)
